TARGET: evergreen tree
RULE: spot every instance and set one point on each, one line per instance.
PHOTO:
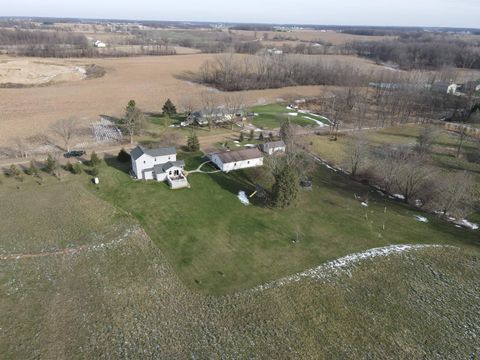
(285, 189)
(286, 130)
(94, 171)
(94, 159)
(51, 165)
(192, 142)
(241, 138)
(123, 156)
(252, 135)
(260, 137)
(168, 108)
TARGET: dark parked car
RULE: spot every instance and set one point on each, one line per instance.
(74, 153)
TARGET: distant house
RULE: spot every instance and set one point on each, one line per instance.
(99, 44)
(195, 118)
(159, 164)
(273, 147)
(237, 159)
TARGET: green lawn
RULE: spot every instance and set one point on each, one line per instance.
(271, 116)
(218, 245)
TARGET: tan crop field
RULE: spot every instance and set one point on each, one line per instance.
(148, 80)
(332, 37)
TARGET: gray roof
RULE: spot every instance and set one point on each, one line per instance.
(161, 168)
(139, 151)
(273, 145)
(240, 155)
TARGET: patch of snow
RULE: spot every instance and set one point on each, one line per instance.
(343, 265)
(399, 196)
(243, 198)
(421, 218)
(292, 114)
(364, 204)
(467, 224)
(250, 145)
(318, 122)
(236, 141)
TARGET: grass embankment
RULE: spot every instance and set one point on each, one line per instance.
(218, 245)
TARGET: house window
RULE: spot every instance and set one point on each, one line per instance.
(235, 164)
(248, 162)
(144, 162)
(169, 173)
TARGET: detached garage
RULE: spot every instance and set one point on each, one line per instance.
(238, 159)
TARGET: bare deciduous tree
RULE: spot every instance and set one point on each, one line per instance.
(66, 129)
(455, 195)
(356, 153)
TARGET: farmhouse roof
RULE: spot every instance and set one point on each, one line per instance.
(273, 145)
(240, 155)
(171, 164)
(139, 151)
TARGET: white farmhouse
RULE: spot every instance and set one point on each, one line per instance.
(159, 164)
(273, 147)
(238, 159)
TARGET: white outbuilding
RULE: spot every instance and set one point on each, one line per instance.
(237, 159)
(273, 147)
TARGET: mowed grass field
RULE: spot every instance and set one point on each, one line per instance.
(217, 245)
(118, 296)
(271, 117)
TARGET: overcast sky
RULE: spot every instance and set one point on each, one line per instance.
(454, 13)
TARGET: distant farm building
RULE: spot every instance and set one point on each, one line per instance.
(159, 164)
(238, 159)
(273, 147)
(100, 44)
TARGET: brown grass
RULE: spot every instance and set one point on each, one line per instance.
(313, 35)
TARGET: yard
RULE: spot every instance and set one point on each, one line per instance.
(217, 245)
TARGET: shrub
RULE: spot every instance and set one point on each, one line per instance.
(77, 169)
(69, 167)
(123, 156)
(15, 172)
(94, 171)
(32, 170)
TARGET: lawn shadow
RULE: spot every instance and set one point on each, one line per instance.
(111, 161)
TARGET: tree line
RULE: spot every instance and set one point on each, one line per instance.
(230, 73)
(422, 51)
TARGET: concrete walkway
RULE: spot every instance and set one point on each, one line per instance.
(199, 169)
